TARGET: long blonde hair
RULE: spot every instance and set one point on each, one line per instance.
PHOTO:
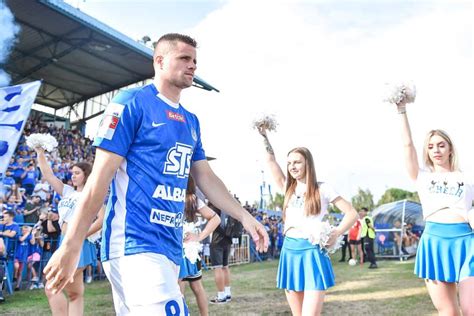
(312, 200)
(453, 158)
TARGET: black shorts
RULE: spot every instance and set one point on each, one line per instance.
(220, 255)
(354, 242)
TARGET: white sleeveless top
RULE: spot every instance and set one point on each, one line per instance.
(296, 223)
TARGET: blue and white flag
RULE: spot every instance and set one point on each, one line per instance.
(15, 107)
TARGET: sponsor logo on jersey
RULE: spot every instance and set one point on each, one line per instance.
(169, 193)
(110, 120)
(166, 218)
(175, 116)
(178, 160)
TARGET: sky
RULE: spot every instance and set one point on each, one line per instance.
(320, 68)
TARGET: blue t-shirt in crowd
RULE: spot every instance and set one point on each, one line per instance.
(18, 169)
(30, 178)
(22, 249)
(8, 181)
(13, 227)
(159, 142)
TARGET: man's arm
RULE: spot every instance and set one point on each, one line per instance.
(8, 233)
(61, 267)
(217, 193)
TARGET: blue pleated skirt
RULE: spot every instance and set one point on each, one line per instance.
(188, 269)
(303, 267)
(88, 254)
(445, 252)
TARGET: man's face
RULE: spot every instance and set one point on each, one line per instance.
(178, 65)
(7, 218)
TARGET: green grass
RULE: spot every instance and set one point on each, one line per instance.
(390, 290)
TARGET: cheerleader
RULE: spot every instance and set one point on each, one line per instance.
(305, 270)
(74, 303)
(191, 271)
(445, 252)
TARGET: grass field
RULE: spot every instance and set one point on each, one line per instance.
(390, 290)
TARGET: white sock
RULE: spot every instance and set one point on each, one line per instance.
(221, 295)
(227, 291)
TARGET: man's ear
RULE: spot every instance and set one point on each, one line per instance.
(159, 61)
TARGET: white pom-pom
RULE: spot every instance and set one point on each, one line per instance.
(192, 250)
(319, 235)
(404, 91)
(95, 236)
(46, 141)
(266, 121)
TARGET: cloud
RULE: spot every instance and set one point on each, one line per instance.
(323, 82)
(8, 31)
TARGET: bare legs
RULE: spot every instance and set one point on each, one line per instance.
(60, 305)
(307, 303)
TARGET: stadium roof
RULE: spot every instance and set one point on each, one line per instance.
(76, 56)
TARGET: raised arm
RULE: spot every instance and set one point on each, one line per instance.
(411, 158)
(217, 193)
(62, 265)
(47, 172)
(270, 159)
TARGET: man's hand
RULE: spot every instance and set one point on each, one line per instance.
(61, 268)
(257, 231)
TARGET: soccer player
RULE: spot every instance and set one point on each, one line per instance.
(147, 145)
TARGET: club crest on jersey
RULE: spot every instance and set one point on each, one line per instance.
(110, 120)
(194, 134)
(175, 116)
(178, 160)
(166, 218)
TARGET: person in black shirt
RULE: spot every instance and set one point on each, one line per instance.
(220, 252)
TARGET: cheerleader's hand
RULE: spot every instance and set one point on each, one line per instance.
(262, 130)
(191, 237)
(333, 235)
(39, 150)
(402, 106)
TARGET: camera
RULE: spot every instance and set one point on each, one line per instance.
(367, 221)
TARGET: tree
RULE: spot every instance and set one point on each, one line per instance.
(394, 194)
(363, 198)
(276, 202)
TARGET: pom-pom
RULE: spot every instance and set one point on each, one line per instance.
(396, 93)
(191, 248)
(319, 235)
(265, 121)
(95, 236)
(46, 141)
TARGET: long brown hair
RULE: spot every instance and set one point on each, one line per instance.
(191, 205)
(312, 200)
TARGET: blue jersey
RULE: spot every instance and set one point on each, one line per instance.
(159, 142)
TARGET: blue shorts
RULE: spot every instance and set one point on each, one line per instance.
(445, 252)
(304, 267)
